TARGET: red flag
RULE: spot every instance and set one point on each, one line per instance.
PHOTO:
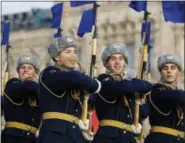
(94, 121)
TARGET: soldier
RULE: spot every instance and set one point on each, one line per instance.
(61, 94)
(166, 103)
(115, 102)
(21, 110)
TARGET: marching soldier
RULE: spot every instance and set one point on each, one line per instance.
(21, 109)
(167, 102)
(115, 102)
(61, 94)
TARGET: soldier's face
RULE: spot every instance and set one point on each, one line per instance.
(27, 72)
(67, 58)
(170, 73)
(116, 63)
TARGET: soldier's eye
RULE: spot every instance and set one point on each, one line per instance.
(23, 67)
(67, 51)
(165, 68)
(30, 68)
(173, 67)
(112, 58)
(121, 58)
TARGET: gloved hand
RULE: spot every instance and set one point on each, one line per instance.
(37, 134)
(130, 74)
(84, 126)
(138, 129)
(88, 136)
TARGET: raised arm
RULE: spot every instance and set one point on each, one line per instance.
(112, 88)
(30, 88)
(175, 97)
(126, 86)
(14, 89)
(56, 80)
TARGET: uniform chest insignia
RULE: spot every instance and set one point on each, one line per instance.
(117, 78)
(106, 79)
(52, 71)
(75, 94)
(32, 102)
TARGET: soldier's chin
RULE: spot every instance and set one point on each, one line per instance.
(170, 78)
(26, 78)
(169, 81)
(70, 66)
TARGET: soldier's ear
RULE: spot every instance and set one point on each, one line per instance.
(180, 73)
(57, 58)
(35, 76)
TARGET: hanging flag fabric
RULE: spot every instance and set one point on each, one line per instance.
(95, 122)
(56, 35)
(138, 5)
(56, 11)
(86, 23)
(5, 33)
(174, 11)
(146, 27)
(79, 3)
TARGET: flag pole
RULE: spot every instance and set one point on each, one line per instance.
(6, 74)
(88, 107)
(144, 72)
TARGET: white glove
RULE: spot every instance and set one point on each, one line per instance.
(87, 136)
(130, 74)
(138, 129)
(84, 126)
(37, 134)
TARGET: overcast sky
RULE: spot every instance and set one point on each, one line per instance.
(16, 7)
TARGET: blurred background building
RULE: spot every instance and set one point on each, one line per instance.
(31, 32)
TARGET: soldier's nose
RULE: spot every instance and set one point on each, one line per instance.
(25, 70)
(169, 70)
(74, 54)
